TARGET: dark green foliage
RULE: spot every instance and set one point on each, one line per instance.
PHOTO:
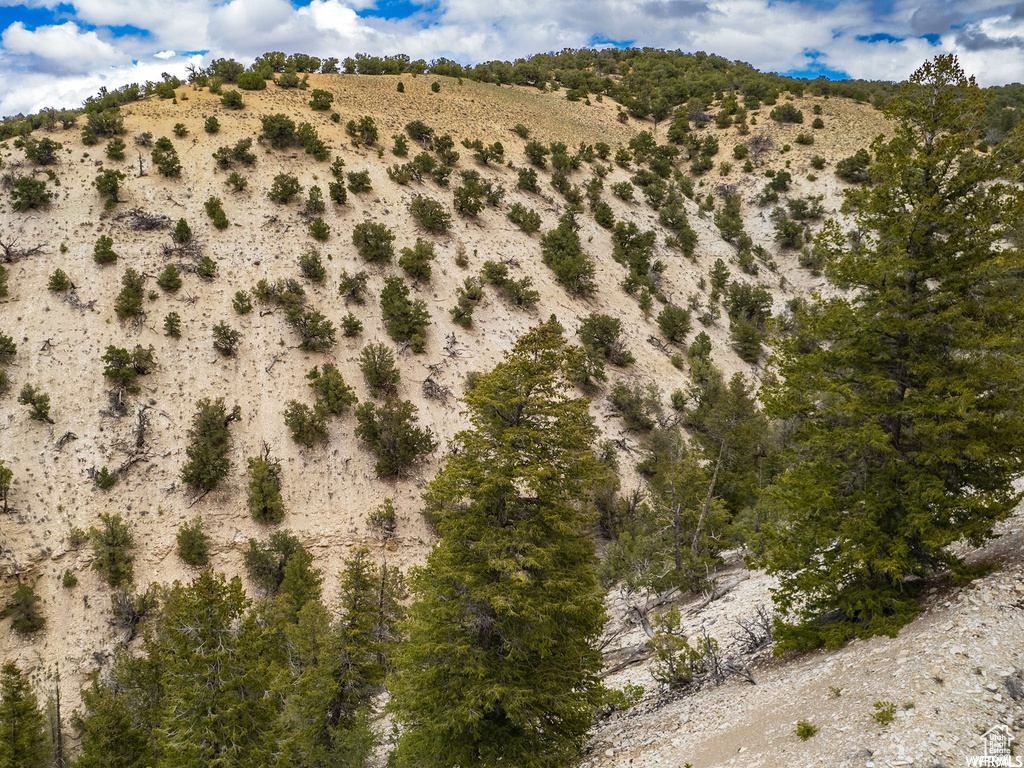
(236, 181)
(353, 287)
(786, 113)
(319, 229)
(320, 99)
(518, 292)
(194, 543)
(600, 336)
(333, 395)
(215, 210)
(23, 738)
(788, 233)
(509, 507)
(165, 157)
(377, 363)
(430, 214)
(26, 617)
(400, 148)
(638, 404)
(3, 281)
(211, 125)
(906, 428)
(623, 190)
(728, 219)
(278, 129)
(172, 325)
(242, 302)
(806, 139)
(818, 124)
(7, 348)
(315, 202)
(129, 301)
(415, 261)
(266, 564)
(317, 332)
(6, 477)
(817, 162)
(405, 319)
(38, 401)
(240, 153)
(108, 184)
(232, 100)
(59, 281)
(854, 169)
(44, 151)
(210, 445)
(391, 432)
(419, 132)
(123, 367)
(112, 549)
(359, 181)
(225, 339)
(435, 87)
(604, 216)
(251, 81)
(207, 267)
(536, 153)
(337, 192)
(264, 499)
(28, 192)
(284, 189)
(362, 131)
(307, 425)
(634, 249)
(674, 322)
(180, 130)
(528, 180)
(373, 241)
(485, 154)
(351, 325)
(312, 267)
(527, 219)
(562, 252)
(467, 298)
(182, 233)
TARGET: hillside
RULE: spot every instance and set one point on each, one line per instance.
(329, 489)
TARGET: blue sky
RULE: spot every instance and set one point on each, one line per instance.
(57, 53)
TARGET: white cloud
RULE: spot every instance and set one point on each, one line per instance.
(60, 49)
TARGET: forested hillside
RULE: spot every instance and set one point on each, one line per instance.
(339, 394)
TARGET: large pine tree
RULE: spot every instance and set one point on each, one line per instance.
(905, 396)
(23, 742)
(500, 666)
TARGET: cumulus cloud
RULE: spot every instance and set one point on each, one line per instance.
(874, 39)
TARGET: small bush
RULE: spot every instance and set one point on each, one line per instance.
(264, 501)
(674, 322)
(172, 325)
(225, 339)
(24, 611)
(804, 139)
(359, 182)
(212, 125)
(786, 113)
(206, 268)
(105, 479)
(527, 219)
(391, 432)
(383, 520)
(885, 712)
(430, 214)
(307, 425)
(103, 251)
(232, 100)
(194, 543)
(180, 130)
(319, 229)
(416, 261)
(112, 547)
(373, 242)
(377, 363)
(284, 188)
(242, 302)
(69, 580)
(59, 281)
(804, 730)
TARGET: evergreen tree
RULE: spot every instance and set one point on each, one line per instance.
(208, 461)
(906, 410)
(500, 667)
(23, 742)
(216, 710)
(265, 502)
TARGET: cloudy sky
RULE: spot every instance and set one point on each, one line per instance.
(57, 53)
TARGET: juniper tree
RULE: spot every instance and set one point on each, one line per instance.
(264, 501)
(210, 443)
(500, 666)
(904, 394)
(391, 432)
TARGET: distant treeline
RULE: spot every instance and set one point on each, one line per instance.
(648, 82)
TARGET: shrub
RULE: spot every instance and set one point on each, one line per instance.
(115, 148)
(352, 287)
(264, 498)
(430, 214)
(391, 432)
(59, 281)
(69, 580)
(467, 298)
(128, 302)
(637, 404)
(854, 169)
(804, 730)
(105, 479)
(333, 395)
(225, 339)
(165, 157)
(818, 123)
(236, 181)
(563, 254)
(740, 151)
(311, 266)
(180, 130)
(307, 425)
(319, 229)
(265, 565)
(336, 191)
(383, 521)
(435, 87)
(362, 131)
(232, 100)
(804, 139)
(242, 302)
(600, 337)
(885, 712)
(193, 543)
(212, 124)
(373, 242)
(674, 322)
(29, 193)
(251, 81)
(817, 162)
(358, 182)
(210, 445)
(320, 99)
(623, 190)
(528, 180)
(377, 363)
(284, 188)
(206, 268)
(415, 261)
(24, 612)
(351, 325)
(404, 319)
(786, 113)
(315, 202)
(172, 325)
(112, 547)
(527, 219)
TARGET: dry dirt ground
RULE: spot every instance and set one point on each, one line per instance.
(329, 490)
